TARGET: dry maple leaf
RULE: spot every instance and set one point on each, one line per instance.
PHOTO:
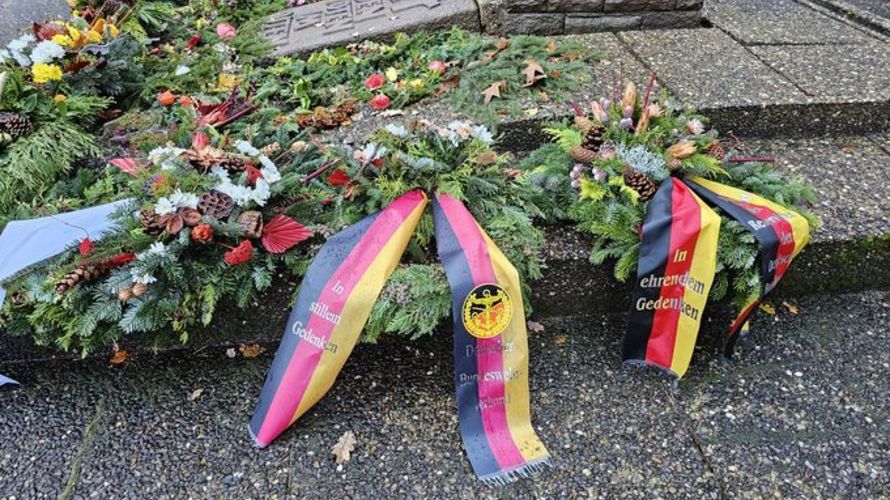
(551, 47)
(793, 309)
(344, 447)
(120, 357)
(535, 327)
(252, 350)
(533, 72)
(768, 309)
(560, 339)
(494, 90)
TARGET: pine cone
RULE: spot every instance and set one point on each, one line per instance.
(15, 125)
(152, 223)
(85, 272)
(594, 139)
(582, 155)
(252, 222)
(234, 164)
(584, 124)
(640, 183)
(216, 204)
(716, 150)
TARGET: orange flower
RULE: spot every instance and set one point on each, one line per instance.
(166, 98)
(203, 233)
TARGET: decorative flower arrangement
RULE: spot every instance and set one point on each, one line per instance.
(206, 223)
(326, 86)
(616, 154)
(456, 159)
(214, 220)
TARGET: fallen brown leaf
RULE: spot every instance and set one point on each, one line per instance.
(535, 327)
(120, 357)
(344, 447)
(252, 350)
(196, 394)
(494, 90)
(768, 309)
(560, 339)
(848, 149)
(793, 309)
(533, 73)
(551, 47)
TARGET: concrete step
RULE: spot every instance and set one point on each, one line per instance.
(800, 412)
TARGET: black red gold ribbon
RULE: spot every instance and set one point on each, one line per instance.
(677, 265)
(335, 300)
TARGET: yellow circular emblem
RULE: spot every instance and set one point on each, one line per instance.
(487, 311)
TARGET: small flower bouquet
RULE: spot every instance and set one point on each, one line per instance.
(618, 152)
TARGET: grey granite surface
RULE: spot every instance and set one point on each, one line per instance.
(780, 22)
(17, 15)
(800, 412)
(854, 72)
(707, 68)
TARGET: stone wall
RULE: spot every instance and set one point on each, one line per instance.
(554, 17)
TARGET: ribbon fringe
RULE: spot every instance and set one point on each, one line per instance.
(505, 477)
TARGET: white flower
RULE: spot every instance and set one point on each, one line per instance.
(156, 248)
(240, 194)
(397, 130)
(16, 46)
(261, 192)
(167, 157)
(143, 277)
(246, 148)
(483, 134)
(184, 200)
(21, 42)
(182, 70)
(270, 171)
(46, 51)
(164, 206)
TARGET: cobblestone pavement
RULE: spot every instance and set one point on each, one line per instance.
(801, 412)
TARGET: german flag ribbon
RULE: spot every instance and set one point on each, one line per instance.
(490, 348)
(781, 235)
(491, 352)
(678, 259)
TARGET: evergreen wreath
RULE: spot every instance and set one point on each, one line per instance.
(608, 162)
(216, 219)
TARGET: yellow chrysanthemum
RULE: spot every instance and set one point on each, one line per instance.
(416, 84)
(94, 36)
(74, 33)
(63, 40)
(59, 98)
(112, 29)
(392, 74)
(43, 72)
(227, 81)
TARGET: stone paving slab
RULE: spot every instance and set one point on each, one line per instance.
(849, 178)
(340, 22)
(755, 22)
(856, 72)
(16, 15)
(707, 68)
(761, 428)
(803, 413)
